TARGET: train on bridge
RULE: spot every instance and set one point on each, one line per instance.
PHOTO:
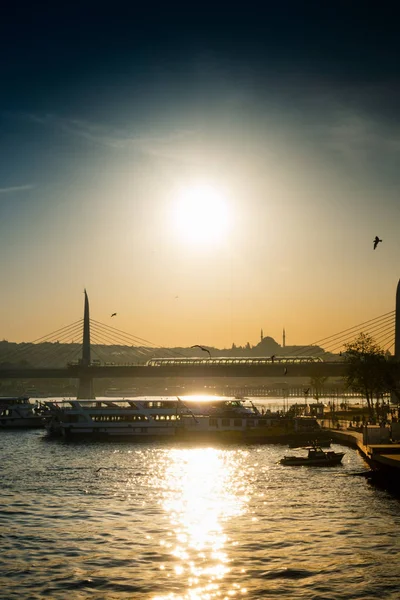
(233, 361)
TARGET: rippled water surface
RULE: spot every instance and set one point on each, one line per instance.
(196, 523)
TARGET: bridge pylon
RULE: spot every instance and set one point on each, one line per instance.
(85, 387)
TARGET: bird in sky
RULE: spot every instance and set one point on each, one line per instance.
(376, 241)
(202, 348)
(114, 315)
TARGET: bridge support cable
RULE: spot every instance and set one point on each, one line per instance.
(390, 347)
(357, 327)
(383, 332)
(63, 335)
(385, 339)
(132, 351)
(101, 348)
(52, 351)
(336, 342)
(105, 339)
(129, 339)
(97, 349)
(129, 336)
(376, 331)
(118, 335)
(66, 332)
(351, 333)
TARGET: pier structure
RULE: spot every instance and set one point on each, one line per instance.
(382, 456)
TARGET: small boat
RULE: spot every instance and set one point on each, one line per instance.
(316, 458)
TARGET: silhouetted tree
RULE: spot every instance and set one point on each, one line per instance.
(367, 370)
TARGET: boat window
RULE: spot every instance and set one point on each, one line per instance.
(237, 422)
(226, 422)
(213, 422)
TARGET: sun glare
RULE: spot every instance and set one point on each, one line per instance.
(202, 214)
(205, 488)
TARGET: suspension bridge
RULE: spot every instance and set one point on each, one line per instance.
(57, 355)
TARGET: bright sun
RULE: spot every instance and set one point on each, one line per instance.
(202, 214)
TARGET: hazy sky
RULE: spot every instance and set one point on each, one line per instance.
(203, 175)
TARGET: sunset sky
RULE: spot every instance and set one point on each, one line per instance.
(202, 175)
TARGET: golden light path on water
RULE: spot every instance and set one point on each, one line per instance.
(204, 488)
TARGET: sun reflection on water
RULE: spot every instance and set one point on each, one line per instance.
(204, 487)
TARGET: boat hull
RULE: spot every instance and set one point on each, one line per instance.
(22, 423)
(256, 435)
(313, 462)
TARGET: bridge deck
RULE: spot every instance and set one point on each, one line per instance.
(317, 369)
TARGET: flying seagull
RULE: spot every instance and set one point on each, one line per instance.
(376, 241)
(202, 348)
(114, 315)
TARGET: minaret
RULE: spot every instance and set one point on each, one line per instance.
(262, 335)
(284, 339)
(397, 324)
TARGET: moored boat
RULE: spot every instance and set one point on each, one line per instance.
(18, 412)
(180, 418)
(316, 458)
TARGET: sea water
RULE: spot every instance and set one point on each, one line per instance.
(181, 522)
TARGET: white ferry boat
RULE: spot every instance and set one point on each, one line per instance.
(18, 412)
(189, 418)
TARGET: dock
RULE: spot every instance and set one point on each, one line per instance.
(384, 457)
